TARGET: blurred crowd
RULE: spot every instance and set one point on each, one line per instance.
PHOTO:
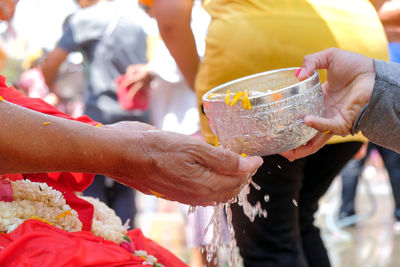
(146, 61)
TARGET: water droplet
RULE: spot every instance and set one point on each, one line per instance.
(191, 210)
(216, 223)
(295, 202)
(256, 186)
(279, 166)
(266, 198)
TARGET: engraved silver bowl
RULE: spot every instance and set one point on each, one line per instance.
(274, 124)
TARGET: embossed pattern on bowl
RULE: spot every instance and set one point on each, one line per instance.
(275, 122)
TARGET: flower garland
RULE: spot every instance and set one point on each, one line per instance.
(105, 222)
(37, 201)
(31, 200)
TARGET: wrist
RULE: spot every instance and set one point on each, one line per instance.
(122, 154)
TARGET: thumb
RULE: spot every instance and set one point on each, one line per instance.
(249, 165)
(229, 163)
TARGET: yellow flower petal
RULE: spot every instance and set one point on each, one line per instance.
(40, 219)
(156, 193)
(245, 100)
(236, 98)
(99, 125)
(65, 213)
(243, 154)
(216, 142)
(46, 123)
(1, 98)
(212, 95)
(227, 97)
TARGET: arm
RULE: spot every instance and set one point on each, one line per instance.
(51, 65)
(178, 167)
(379, 120)
(173, 19)
(389, 13)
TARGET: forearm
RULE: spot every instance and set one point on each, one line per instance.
(34, 142)
(389, 14)
(173, 19)
(379, 121)
(51, 65)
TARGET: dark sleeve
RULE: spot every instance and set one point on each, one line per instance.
(67, 41)
(379, 120)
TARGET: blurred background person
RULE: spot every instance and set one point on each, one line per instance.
(247, 37)
(110, 41)
(351, 174)
(174, 108)
(389, 13)
(32, 82)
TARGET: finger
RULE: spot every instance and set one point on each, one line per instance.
(319, 60)
(134, 89)
(322, 125)
(127, 82)
(131, 80)
(289, 155)
(226, 162)
(215, 189)
(132, 68)
(311, 147)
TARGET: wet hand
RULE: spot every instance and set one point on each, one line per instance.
(186, 169)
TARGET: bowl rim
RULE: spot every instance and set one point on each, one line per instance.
(251, 76)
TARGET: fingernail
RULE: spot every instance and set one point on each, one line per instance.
(297, 73)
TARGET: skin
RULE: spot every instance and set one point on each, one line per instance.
(51, 65)
(179, 167)
(7, 10)
(173, 18)
(137, 77)
(389, 13)
(55, 58)
(348, 88)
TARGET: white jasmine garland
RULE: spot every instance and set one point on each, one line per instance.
(105, 222)
(39, 201)
(42, 202)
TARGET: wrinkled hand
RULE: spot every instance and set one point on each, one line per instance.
(137, 77)
(183, 168)
(347, 90)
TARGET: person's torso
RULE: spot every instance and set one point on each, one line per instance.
(247, 37)
(110, 42)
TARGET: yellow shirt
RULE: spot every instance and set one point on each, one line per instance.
(251, 36)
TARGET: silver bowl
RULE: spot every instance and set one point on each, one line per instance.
(274, 124)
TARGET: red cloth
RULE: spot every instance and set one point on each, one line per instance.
(66, 182)
(130, 100)
(35, 243)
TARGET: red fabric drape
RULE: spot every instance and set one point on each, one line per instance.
(66, 182)
(35, 243)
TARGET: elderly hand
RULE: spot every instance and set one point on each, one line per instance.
(348, 89)
(180, 167)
